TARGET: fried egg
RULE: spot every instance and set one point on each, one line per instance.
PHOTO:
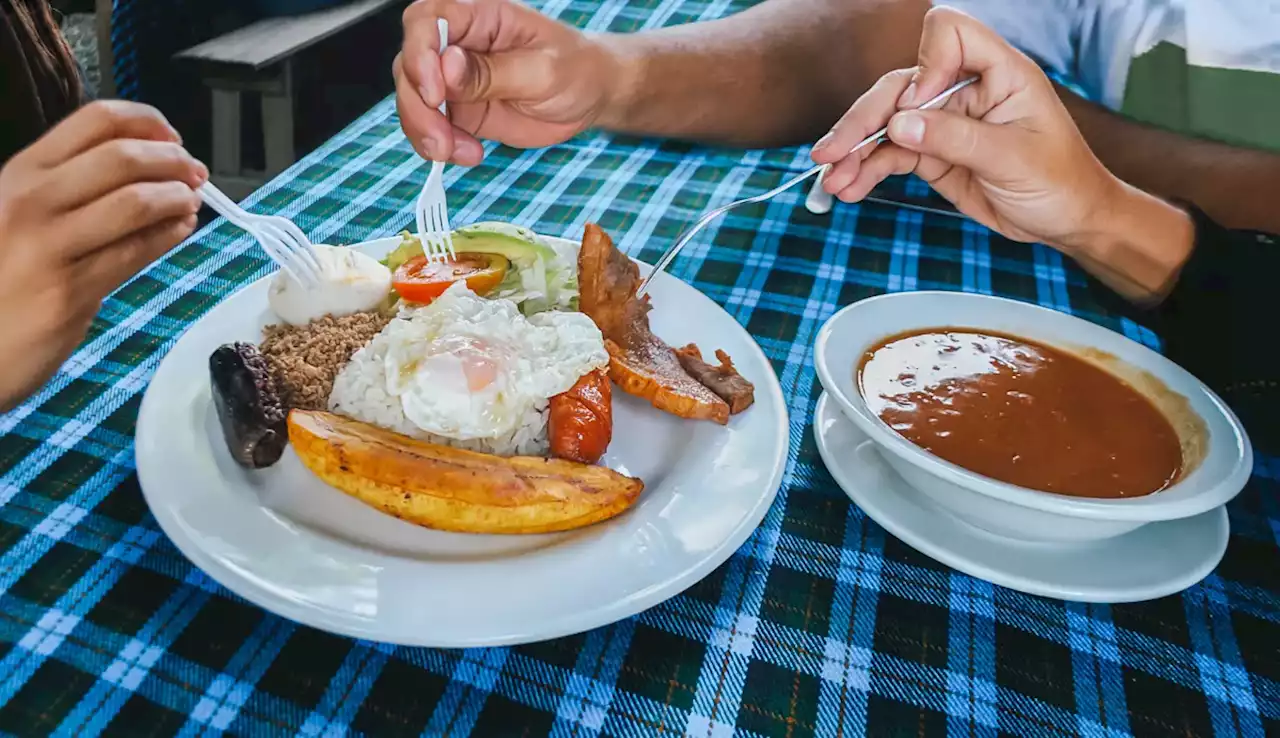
(465, 367)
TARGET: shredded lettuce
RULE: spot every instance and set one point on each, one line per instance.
(537, 284)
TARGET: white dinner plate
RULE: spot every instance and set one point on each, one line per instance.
(286, 541)
(1153, 561)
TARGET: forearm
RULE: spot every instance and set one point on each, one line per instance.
(1137, 246)
(779, 73)
(1235, 186)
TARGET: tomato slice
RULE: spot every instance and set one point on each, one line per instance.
(422, 281)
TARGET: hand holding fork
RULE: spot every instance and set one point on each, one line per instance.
(432, 212)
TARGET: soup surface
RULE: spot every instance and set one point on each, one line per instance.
(1020, 412)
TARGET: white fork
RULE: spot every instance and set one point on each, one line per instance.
(283, 240)
(872, 140)
(432, 214)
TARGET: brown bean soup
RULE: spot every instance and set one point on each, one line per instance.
(1020, 412)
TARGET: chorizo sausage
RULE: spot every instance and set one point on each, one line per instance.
(580, 425)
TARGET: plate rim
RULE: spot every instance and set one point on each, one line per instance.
(965, 564)
(579, 622)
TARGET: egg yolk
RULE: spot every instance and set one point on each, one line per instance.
(480, 371)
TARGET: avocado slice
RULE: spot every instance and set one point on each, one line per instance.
(409, 248)
(519, 245)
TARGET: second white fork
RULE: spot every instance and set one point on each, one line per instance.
(432, 212)
(281, 238)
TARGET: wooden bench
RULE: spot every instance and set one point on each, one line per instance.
(259, 59)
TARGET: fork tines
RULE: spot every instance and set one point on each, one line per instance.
(283, 241)
(437, 245)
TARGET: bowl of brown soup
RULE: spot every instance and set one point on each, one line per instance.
(1027, 422)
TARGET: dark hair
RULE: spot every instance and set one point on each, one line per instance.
(39, 78)
(57, 76)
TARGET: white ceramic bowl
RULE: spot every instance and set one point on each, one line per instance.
(1220, 456)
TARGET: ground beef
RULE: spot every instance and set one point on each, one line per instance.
(305, 359)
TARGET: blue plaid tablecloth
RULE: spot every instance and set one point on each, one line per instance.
(821, 624)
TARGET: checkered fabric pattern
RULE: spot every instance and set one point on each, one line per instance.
(821, 624)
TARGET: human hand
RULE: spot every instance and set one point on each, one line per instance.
(84, 208)
(510, 74)
(1003, 150)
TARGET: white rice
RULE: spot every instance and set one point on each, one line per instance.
(359, 393)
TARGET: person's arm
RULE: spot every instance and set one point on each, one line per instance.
(775, 74)
(1136, 245)
(780, 72)
(1235, 186)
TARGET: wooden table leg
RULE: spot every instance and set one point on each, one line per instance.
(276, 89)
(226, 132)
(277, 123)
